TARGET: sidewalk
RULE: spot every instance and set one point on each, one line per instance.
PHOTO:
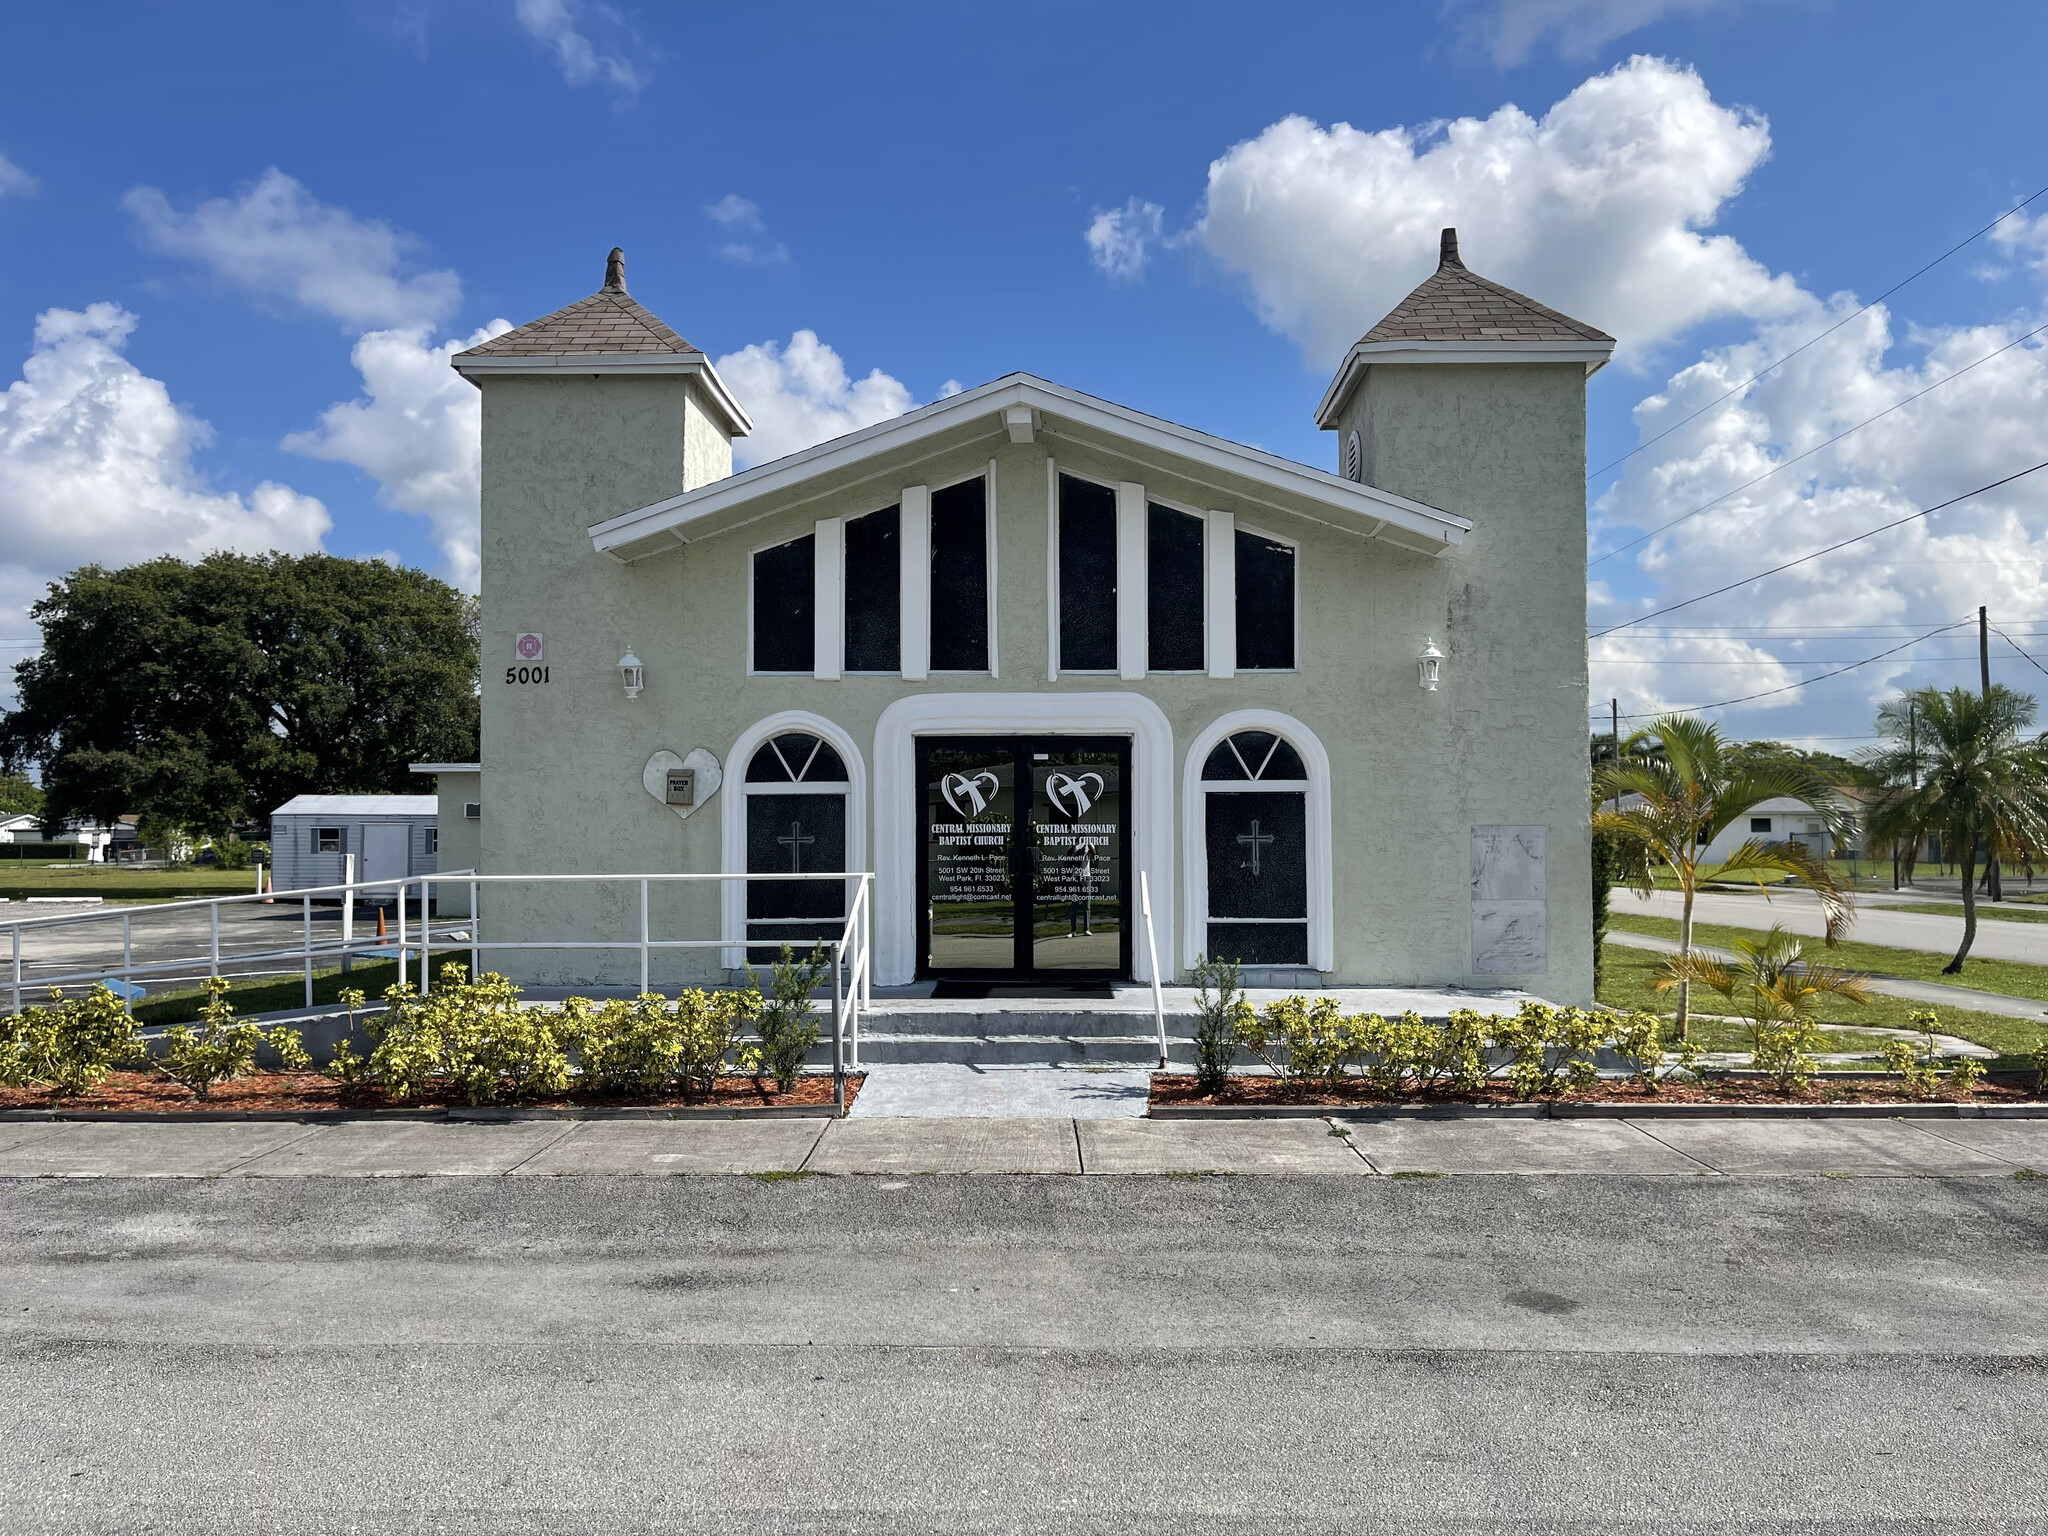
(1363, 1146)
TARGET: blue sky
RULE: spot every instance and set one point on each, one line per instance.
(237, 243)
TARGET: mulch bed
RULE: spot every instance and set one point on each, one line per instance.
(1249, 1092)
(316, 1093)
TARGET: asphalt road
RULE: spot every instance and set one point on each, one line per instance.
(1470, 1354)
(1800, 912)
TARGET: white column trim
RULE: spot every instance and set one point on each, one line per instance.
(914, 597)
(1052, 570)
(897, 838)
(828, 597)
(732, 827)
(1220, 626)
(1322, 901)
(1131, 610)
(989, 501)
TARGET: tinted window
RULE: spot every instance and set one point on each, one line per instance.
(960, 578)
(874, 582)
(1265, 603)
(784, 639)
(1087, 576)
(1173, 591)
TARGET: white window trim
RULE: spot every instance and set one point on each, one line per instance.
(898, 832)
(828, 598)
(1203, 517)
(1295, 546)
(914, 583)
(752, 670)
(1195, 820)
(733, 817)
(1220, 571)
(1132, 580)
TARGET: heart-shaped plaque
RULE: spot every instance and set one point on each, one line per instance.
(655, 778)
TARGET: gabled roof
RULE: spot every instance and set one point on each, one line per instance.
(1455, 315)
(609, 332)
(359, 805)
(1018, 407)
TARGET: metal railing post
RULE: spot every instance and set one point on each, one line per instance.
(306, 912)
(838, 1028)
(17, 967)
(401, 937)
(643, 934)
(348, 909)
(214, 913)
(476, 932)
(127, 962)
(426, 938)
(1152, 954)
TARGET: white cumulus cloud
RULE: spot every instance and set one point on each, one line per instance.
(14, 181)
(558, 26)
(417, 430)
(748, 246)
(1120, 240)
(1510, 30)
(1599, 208)
(800, 394)
(276, 240)
(96, 464)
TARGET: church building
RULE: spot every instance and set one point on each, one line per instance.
(1016, 649)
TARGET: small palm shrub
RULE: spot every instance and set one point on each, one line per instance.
(1220, 1008)
(787, 1024)
(222, 1048)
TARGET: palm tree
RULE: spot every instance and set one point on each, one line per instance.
(1970, 779)
(1688, 794)
(1778, 985)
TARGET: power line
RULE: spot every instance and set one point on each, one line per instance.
(1895, 287)
(2008, 639)
(1803, 682)
(1830, 549)
(1788, 463)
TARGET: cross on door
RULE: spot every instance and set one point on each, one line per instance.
(798, 840)
(1254, 840)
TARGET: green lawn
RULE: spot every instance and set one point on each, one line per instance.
(2003, 912)
(1626, 983)
(116, 883)
(275, 995)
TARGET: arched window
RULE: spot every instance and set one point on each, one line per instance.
(1262, 871)
(797, 794)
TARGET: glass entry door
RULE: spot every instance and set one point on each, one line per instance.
(1026, 853)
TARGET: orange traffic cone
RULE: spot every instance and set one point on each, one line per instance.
(380, 922)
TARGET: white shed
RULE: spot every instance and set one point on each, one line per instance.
(1783, 820)
(392, 837)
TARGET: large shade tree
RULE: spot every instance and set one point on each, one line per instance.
(1959, 765)
(1664, 804)
(207, 693)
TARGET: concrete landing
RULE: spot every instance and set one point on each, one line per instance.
(959, 1090)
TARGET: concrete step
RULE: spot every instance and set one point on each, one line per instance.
(893, 1048)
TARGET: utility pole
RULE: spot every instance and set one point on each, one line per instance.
(1992, 887)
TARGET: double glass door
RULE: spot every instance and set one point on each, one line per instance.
(1026, 854)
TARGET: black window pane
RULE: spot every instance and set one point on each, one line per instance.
(1222, 763)
(784, 640)
(826, 767)
(874, 584)
(1285, 763)
(1258, 855)
(1259, 943)
(803, 834)
(1253, 749)
(1265, 603)
(765, 767)
(960, 577)
(1087, 576)
(1173, 593)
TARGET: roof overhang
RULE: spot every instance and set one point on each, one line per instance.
(1020, 407)
(1593, 355)
(445, 767)
(478, 367)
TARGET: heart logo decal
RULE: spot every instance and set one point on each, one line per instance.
(1073, 794)
(976, 791)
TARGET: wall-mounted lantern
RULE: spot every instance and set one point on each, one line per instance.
(634, 673)
(1430, 664)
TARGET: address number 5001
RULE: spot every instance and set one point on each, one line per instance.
(526, 674)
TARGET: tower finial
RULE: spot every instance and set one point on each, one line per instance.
(615, 271)
(1448, 255)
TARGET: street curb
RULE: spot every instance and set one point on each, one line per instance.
(454, 1115)
(1911, 1111)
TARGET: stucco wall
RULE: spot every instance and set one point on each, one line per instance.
(1412, 771)
(461, 838)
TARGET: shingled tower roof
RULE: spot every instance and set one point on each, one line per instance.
(608, 322)
(1457, 316)
(1456, 304)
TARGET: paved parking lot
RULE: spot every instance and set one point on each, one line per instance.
(1395, 1146)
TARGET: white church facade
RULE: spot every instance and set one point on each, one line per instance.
(1014, 649)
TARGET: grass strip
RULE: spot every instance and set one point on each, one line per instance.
(275, 994)
(1626, 976)
(2004, 912)
(114, 883)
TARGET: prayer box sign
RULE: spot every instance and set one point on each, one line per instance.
(682, 786)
